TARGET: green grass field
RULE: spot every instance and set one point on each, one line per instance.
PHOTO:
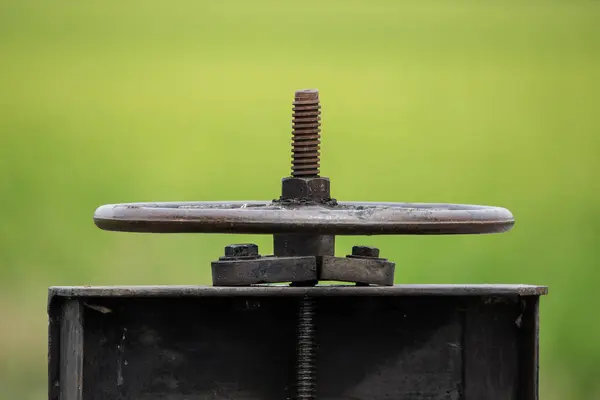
(469, 102)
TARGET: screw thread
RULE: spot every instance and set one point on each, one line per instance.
(306, 372)
(306, 133)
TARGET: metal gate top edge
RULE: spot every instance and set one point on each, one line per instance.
(314, 291)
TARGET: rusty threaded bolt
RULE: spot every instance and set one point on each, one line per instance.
(306, 133)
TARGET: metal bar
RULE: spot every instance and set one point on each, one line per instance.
(284, 290)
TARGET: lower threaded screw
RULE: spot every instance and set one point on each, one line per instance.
(306, 134)
(306, 371)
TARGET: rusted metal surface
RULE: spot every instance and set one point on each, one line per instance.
(346, 218)
(310, 190)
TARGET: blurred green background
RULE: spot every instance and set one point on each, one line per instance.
(468, 102)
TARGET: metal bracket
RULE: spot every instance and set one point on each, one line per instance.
(264, 270)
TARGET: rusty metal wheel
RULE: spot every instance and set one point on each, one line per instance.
(343, 218)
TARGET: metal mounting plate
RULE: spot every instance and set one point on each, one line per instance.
(285, 290)
(343, 218)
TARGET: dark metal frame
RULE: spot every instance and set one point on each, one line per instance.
(467, 342)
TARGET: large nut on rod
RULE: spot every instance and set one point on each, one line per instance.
(315, 189)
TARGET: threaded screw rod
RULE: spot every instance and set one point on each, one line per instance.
(306, 371)
(306, 135)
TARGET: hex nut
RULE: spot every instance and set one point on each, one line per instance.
(305, 188)
(241, 251)
(303, 245)
(365, 252)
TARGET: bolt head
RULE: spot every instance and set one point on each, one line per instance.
(305, 188)
(365, 251)
(241, 250)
